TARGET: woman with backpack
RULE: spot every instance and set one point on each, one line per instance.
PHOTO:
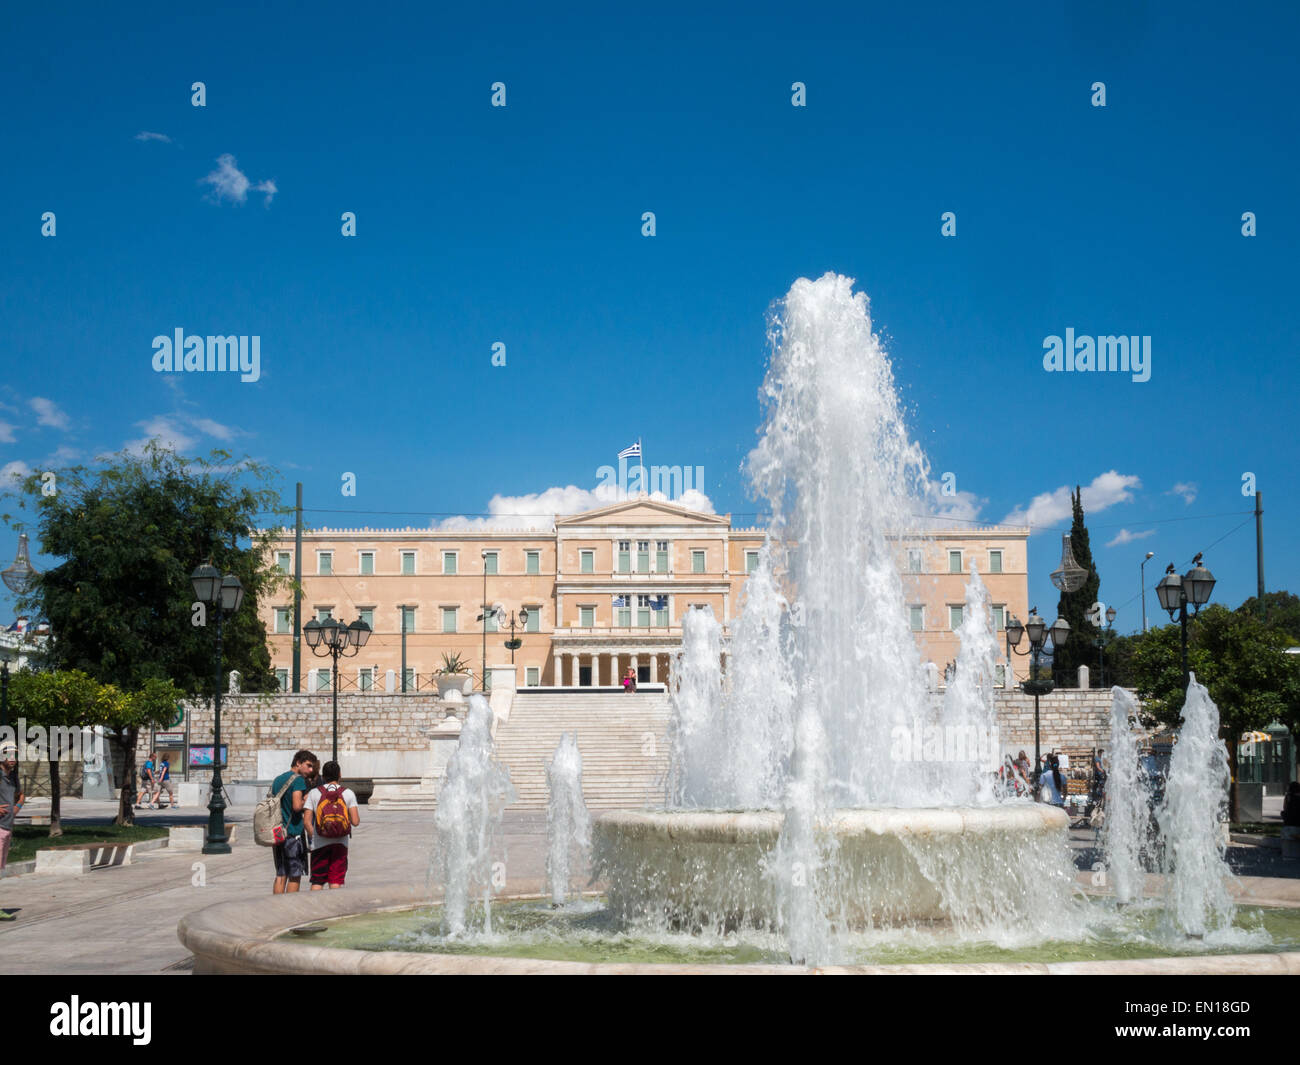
(332, 814)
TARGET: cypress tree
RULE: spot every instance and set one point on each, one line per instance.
(1080, 649)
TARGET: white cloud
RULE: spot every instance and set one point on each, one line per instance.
(211, 428)
(1186, 489)
(48, 413)
(538, 510)
(7, 434)
(1053, 508)
(10, 470)
(958, 508)
(145, 135)
(166, 431)
(1126, 537)
(230, 183)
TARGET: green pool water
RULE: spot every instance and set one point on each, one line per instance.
(584, 931)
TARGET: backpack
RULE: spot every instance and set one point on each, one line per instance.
(268, 817)
(332, 819)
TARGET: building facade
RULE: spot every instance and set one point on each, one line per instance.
(595, 594)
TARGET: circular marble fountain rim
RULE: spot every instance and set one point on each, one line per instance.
(723, 826)
(241, 937)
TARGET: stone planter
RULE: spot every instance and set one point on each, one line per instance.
(453, 685)
(363, 789)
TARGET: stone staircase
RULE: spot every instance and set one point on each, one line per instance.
(623, 740)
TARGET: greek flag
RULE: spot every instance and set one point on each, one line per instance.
(622, 600)
(633, 452)
(659, 602)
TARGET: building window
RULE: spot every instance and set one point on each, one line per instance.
(489, 620)
(586, 617)
(282, 623)
(282, 679)
(643, 556)
(408, 619)
(449, 563)
(697, 561)
(643, 611)
(410, 679)
(999, 676)
(587, 561)
(408, 564)
(532, 562)
(625, 556)
(623, 611)
(324, 613)
(916, 618)
(449, 619)
(322, 680)
(368, 616)
(325, 563)
(954, 617)
(532, 677)
(999, 617)
(751, 561)
(995, 561)
(954, 562)
(914, 560)
(366, 678)
(491, 562)
(659, 604)
(661, 556)
(367, 563)
(285, 561)
(534, 623)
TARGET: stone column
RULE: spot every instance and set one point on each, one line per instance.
(557, 678)
(654, 668)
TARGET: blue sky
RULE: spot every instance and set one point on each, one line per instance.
(522, 225)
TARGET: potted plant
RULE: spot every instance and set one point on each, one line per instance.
(454, 676)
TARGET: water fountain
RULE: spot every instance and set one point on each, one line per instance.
(795, 807)
(568, 827)
(1123, 837)
(468, 818)
(1196, 900)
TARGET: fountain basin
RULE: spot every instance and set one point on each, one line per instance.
(884, 866)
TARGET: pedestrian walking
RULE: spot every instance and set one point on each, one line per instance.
(163, 773)
(146, 781)
(11, 801)
(291, 855)
(332, 814)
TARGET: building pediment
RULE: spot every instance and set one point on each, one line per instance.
(642, 512)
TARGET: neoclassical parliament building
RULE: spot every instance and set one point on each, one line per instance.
(602, 590)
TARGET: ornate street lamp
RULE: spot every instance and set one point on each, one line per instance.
(331, 637)
(18, 577)
(224, 595)
(1105, 630)
(1177, 593)
(1038, 632)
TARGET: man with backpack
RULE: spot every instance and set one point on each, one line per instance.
(291, 855)
(331, 816)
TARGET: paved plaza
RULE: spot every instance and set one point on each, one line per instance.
(123, 919)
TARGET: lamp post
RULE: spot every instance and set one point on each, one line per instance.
(1038, 632)
(1104, 633)
(1176, 593)
(482, 680)
(18, 578)
(1142, 570)
(331, 637)
(223, 595)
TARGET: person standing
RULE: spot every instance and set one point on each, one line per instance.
(164, 775)
(291, 855)
(11, 801)
(332, 814)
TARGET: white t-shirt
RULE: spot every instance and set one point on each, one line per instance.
(309, 808)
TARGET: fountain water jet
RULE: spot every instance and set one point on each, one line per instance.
(1196, 900)
(567, 824)
(470, 804)
(1123, 835)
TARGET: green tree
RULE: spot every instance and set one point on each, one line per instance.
(1080, 648)
(1240, 660)
(74, 700)
(1281, 613)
